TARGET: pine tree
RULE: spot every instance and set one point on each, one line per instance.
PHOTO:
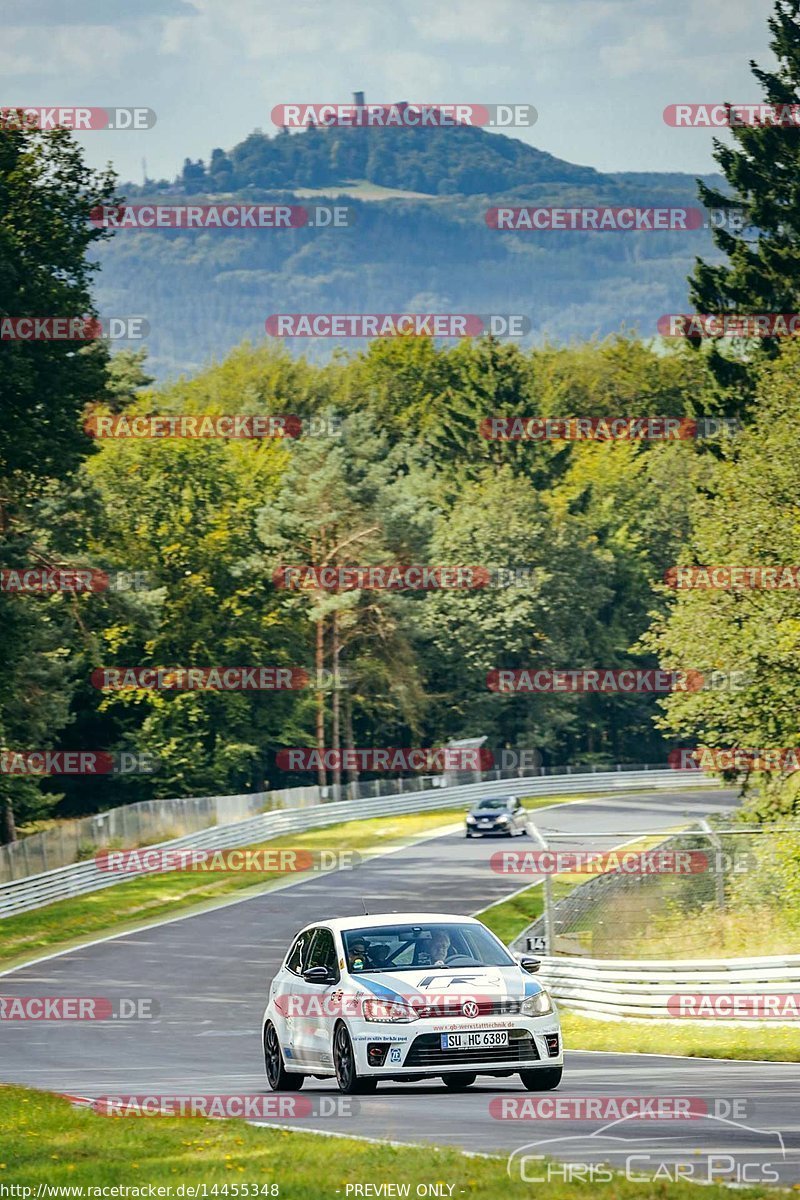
(762, 273)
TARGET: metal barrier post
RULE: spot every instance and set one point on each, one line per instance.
(719, 870)
(547, 893)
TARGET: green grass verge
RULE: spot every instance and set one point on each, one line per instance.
(707, 932)
(706, 1040)
(43, 1140)
(136, 901)
(509, 918)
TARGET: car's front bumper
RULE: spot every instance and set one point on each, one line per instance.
(415, 1048)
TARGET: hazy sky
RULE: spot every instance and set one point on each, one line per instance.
(599, 71)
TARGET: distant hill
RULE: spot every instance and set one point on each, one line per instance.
(205, 291)
(448, 161)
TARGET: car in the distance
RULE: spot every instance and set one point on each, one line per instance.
(405, 997)
(501, 815)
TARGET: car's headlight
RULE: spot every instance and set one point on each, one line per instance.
(503, 817)
(470, 820)
(387, 1011)
(538, 1005)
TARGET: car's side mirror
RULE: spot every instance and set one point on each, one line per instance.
(318, 975)
(531, 965)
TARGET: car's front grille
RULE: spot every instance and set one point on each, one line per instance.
(426, 1051)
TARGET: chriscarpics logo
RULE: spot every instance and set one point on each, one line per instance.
(713, 1150)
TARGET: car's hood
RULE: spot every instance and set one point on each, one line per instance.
(486, 982)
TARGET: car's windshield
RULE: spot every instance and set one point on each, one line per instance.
(494, 803)
(409, 947)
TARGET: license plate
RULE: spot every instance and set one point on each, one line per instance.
(474, 1041)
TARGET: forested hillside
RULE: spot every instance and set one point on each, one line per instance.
(204, 292)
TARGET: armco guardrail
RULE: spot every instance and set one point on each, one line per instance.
(644, 988)
(77, 879)
(67, 842)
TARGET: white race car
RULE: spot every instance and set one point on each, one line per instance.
(408, 996)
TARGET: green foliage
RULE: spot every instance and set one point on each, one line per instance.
(762, 170)
(746, 513)
(46, 196)
(396, 471)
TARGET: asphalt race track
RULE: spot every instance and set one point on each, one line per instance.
(209, 975)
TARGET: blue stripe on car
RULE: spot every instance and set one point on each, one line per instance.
(386, 993)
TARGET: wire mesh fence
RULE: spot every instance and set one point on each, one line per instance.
(705, 892)
(130, 825)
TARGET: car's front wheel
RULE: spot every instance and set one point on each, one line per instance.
(344, 1064)
(278, 1078)
(458, 1081)
(543, 1080)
